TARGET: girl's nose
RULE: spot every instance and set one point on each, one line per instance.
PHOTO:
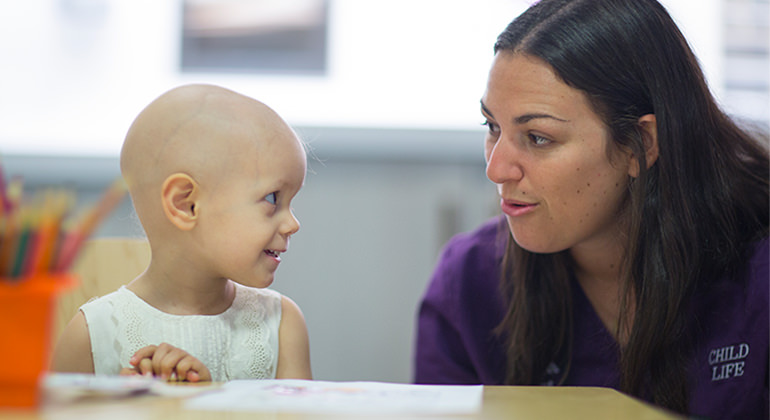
(291, 226)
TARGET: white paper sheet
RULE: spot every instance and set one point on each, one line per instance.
(61, 387)
(70, 386)
(302, 396)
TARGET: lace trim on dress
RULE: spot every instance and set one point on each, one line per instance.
(240, 343)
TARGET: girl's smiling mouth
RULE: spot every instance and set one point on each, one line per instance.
(275, 255)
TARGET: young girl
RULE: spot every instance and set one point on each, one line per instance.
(211, 174)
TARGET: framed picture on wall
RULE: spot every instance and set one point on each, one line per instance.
(254, 36)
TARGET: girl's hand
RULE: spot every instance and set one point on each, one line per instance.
(167, 362)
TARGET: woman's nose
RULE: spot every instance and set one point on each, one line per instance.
(503, 162)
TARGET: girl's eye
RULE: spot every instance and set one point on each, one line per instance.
(538, 140)
(271, 198)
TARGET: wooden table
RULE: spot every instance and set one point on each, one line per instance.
(499, 402)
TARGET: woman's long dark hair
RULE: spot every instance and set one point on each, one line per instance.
(692, 216)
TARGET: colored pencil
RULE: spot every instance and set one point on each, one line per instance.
(74, 239)
(37, 236)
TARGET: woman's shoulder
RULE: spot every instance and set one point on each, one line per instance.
(758, 270)
(760, 254)
(470, 263)
(731, 332)
(485, 242)
(749, 281)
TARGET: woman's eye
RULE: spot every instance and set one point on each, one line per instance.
(492, 127)
(538, 140)
(271, 198)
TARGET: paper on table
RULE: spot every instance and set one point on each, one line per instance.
(72, 386)
(285, 395)
(69, 386)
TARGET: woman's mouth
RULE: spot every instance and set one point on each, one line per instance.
(515, 208)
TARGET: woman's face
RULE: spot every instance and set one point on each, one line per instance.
(547, 151)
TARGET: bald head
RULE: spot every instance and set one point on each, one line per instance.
(187, 127)
(199, 130)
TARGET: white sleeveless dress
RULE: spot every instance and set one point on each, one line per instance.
(239, 343)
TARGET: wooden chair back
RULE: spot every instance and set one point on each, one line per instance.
(102, 267)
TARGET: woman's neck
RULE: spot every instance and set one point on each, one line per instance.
(598, 271)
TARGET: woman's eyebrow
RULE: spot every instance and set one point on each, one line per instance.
(523, 119)
(484, 109)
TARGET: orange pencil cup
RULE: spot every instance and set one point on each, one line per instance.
(27, 310)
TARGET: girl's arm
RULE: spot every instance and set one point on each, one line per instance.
(293, 346)
(73, 350)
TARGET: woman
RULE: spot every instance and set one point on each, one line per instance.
(633, 250)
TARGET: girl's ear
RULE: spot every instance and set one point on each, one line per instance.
(179, 197)
(649, 130)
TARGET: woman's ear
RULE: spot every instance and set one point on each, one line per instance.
(649, 130)
(179, 196)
